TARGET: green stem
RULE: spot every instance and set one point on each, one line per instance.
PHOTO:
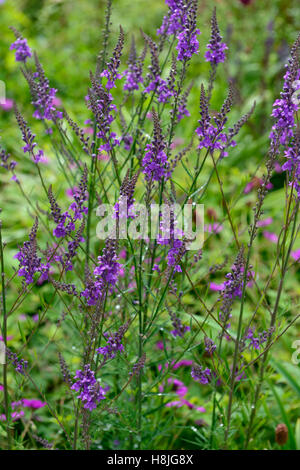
(4, 334)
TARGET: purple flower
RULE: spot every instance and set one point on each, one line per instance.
(5, 161)
(175, 20)
(292, 164)
(111, 72)
(155, 164)
(233, 287)
(187, 39)
(101, 104)
(23, 51)
(135, 69)
(19, 364)
(216, 47)
(65, 222)
(257, 341)
(113, 343)
(105, 274)
(30, 263)
(28, 138)
(210, 346)
(91, 393)
(43, 96)
(108, 267)
(201, 375)
(213, 136)
(179, 328)
(285, 108)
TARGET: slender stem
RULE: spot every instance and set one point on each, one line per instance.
(4, 333)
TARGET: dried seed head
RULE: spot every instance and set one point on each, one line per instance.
(281, 434)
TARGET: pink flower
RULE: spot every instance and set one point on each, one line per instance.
(56, 101)
(103, 156)
(270, 236)
(178, 386)
(15, 415)
(216, 287)
(71, 191)
(33, 403)
(88, 130)
(265, 222)
(296, 255)
(8, 338)
(7, 105)
(213, 228)
(183, 363)
(277, 167)
(44, 159)
(256, 183)
(177, 141)
(160, 345)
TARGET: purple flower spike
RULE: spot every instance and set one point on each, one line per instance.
(28, 259)
(91, 393)
(113, 344)
(216, 47)
(188, 43)
(201, 375)
(155, 165)
(23, 51)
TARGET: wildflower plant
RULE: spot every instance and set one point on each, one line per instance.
(137, 332)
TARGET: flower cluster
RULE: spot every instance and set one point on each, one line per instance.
(200, 374)
(179, 328)
(111, 72)
(124, 208)
(209, 345)
(30, 263)
(135, 69)
(181, 21)
(113, 343)
(28, 138)
(19, 364)
(106, 274)
(257, 341)
(65, 221)
(174, 22)
(101, 104)
(284, 109)
(23, 51)
(5, 161)
(155, 164)
(232, 288)
(91, 393)
(213, 136)
(188, 43)
(292, 163)
(43, 96)
(215, 53)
